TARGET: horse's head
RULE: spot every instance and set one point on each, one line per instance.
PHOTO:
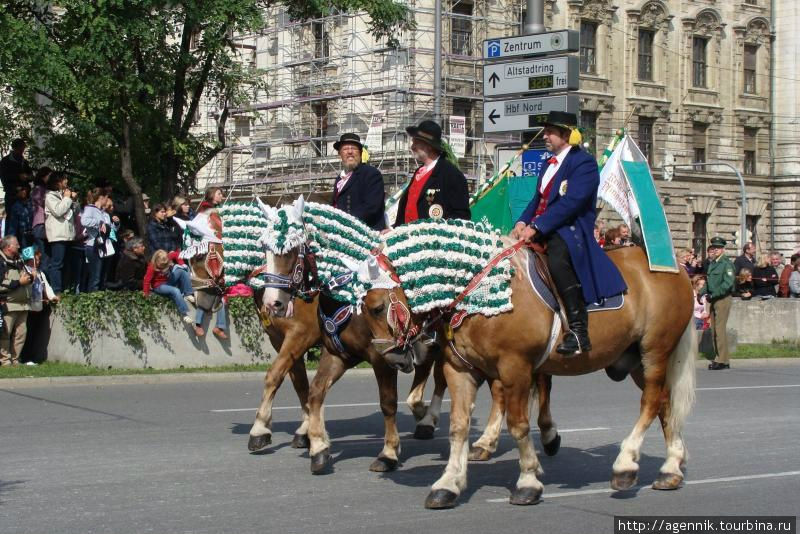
(210, 266)
(204, 253)
(289, 268)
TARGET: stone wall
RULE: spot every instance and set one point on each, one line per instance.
(765, 321)
(170, 344)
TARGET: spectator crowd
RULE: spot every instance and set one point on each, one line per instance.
(56, 240)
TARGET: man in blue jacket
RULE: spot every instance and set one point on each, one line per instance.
(359, 187)
(562, 216)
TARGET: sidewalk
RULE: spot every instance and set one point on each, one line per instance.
(173, 378)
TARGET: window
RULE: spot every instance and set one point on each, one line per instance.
(321, 42)
(750, 54)
(751, 223)
(320, 128)
(749, 166)
(699, 236)
(646, 137)
(699, 142)
(751, 2)
(646, 55)
(461, 30)
(588, 47)
(699, 46)
(241, 126)
(588, 123)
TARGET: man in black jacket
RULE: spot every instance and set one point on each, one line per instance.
(359, 187)
(132, 267)
(438, 189)
(11, 167)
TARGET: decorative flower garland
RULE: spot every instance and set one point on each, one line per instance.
(243, 226)
(437, 259)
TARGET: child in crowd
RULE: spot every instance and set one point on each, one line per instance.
(167, 276)
(745, 284)
(701, 306)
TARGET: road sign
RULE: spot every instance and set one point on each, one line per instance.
(532, 45)
(533, 76)
(524, 113)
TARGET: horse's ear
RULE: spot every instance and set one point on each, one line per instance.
(268, 211)
(299, 207)
(180, 222)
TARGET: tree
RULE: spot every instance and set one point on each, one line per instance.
(130, 75)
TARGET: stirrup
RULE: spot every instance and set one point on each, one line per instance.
(566, 347)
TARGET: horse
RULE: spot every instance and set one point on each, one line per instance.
(653, 326)
(340, 244)
(293, 334)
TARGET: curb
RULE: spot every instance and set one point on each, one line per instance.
(165, 378)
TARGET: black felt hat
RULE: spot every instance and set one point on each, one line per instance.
(351, 138)
(428, 132)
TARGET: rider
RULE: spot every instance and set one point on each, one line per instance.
(438, 189)
(359, 188)
(562, 215)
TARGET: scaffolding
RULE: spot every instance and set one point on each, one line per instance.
(327, 76)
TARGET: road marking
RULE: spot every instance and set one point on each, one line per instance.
(751, 387)
(327, 406)
(687, 483)
(362, 404)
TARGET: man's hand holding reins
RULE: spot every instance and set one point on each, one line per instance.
(523, 231)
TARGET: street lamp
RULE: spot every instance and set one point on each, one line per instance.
(743, 231)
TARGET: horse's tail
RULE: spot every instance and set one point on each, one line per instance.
(681, 378)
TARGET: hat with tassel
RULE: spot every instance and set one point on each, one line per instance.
(565, 121)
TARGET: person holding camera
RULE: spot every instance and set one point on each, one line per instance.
(59, 214)
(15, 295)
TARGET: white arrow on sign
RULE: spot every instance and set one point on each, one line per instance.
(524, 113)
(532, 76)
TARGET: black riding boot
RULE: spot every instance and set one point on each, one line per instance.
(576, 341)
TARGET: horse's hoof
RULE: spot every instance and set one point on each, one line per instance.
(478, 454)
(424, 432)
(383, 464)
(440, 499)
(551, 449)
(625, 480)
(667, 481)
(526, 496)
(321, 463)
(257, 443)
(301, 441)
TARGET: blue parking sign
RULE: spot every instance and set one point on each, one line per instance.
(494, 49)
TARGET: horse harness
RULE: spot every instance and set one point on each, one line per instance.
(301, 282)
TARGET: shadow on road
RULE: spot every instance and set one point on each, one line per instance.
(7, 485)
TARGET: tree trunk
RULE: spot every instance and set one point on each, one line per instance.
(130, 181)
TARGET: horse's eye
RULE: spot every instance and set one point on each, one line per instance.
(377, 310)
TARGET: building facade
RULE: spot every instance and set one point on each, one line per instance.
(693, 81)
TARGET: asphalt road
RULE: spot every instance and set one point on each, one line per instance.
(171, 457)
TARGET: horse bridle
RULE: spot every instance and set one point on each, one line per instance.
(303, 280)
(401, 323)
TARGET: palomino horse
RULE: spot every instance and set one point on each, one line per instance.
(654, 323)
(293, 334)
(315, 227)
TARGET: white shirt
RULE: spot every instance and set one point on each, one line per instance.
(428, 168)
(552, 169)
(343, 178)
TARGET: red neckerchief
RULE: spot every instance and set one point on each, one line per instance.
(542, 207)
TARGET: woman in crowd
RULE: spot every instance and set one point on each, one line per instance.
(208, 208)
(96, 229)
(765, 278)
(160, 234)
(167, 276)
(37, 200)
(60, 208)
(794, 279)
(701, 314)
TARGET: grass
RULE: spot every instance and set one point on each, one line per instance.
(764, 350)
(56, 369)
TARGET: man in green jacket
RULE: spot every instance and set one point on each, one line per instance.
(15, 299)
(719, 288)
